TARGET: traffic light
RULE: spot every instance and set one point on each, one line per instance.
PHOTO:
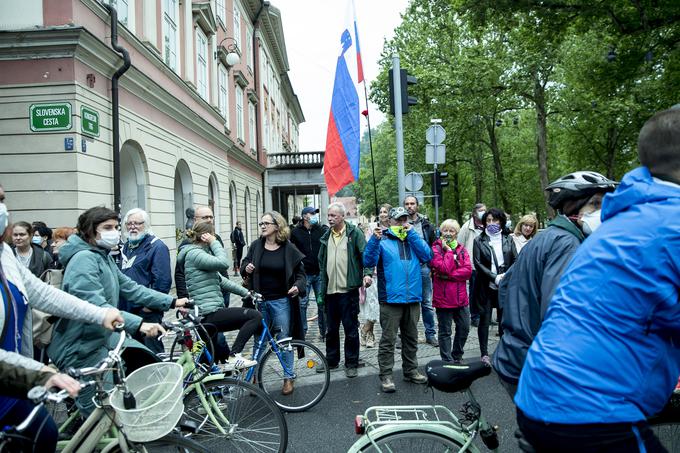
(406, 100)
(438, 183)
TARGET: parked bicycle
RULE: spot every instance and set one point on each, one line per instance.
(430, 428)
(288, 359)
(138, 414)
(222, 413)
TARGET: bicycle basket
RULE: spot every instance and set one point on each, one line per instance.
(157, 388)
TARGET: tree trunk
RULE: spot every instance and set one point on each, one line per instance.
(501, 187)
(612, 145)
(542, 140)
(457, 213)
(478, 173)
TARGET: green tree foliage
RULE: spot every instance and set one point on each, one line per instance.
(527, 91)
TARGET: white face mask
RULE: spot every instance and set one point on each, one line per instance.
(4, 218)
(109, 239)
(480, 214)
(591, 222)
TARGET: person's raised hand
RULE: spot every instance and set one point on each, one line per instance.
(112, 318)
(207, 237)
(250, 268)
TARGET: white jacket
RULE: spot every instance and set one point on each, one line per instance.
(44, 297)
(467, 235)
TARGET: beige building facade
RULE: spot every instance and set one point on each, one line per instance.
(195, 127)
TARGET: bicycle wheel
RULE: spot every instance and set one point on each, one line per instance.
(168, 444)
(310, 386)
(412, 440)
(248, 419)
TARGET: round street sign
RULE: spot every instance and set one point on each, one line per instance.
(413, 182)
(435, 134)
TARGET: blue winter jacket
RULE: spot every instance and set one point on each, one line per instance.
(147, 264)
(399, 280)
(609, 348)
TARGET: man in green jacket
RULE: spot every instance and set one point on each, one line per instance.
(342, 273)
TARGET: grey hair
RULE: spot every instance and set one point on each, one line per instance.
(145, 216)
(339, 207)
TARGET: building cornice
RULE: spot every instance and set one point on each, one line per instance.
(78, 43)
(204, 17)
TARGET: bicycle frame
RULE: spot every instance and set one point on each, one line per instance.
(260, 350)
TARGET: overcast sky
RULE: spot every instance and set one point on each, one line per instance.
(312, 29)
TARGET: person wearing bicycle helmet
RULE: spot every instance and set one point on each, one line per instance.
(607, 355)
(529, 284)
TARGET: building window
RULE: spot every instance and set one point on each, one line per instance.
(251, 125)
(224, 94)
(237, 25)
(201, 64)
(219, 6)
(249, 48)
(123, 10)
(266, 130)
(240, 132)
(170, 15)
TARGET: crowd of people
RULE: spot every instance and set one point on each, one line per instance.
(595, 292)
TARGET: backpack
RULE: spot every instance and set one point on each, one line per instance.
(44, 322)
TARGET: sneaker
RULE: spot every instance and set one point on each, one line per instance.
(321, 369)
(239, 362)
(370, 340)
(432, 341)
(387, 384)
(416, 378)
(486, 360)
(458, 361)
(288, 387)
(351, 372)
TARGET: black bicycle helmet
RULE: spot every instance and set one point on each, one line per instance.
(578, 185)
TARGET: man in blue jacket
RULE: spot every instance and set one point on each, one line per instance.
(607, 355)
(146, 260)
(398, 252)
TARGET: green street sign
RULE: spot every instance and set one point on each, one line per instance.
(50, 117)
(89, 121)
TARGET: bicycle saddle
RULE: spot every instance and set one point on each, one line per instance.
(449, 377)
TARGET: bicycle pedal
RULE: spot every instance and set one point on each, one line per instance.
(189, 426)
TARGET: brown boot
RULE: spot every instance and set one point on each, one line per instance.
(287, 387)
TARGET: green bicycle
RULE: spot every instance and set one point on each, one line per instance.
(222, 413)
(429, 428)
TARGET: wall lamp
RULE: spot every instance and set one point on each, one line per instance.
(231, 53)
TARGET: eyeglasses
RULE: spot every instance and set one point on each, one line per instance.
(261, 224)
(134, 224)
(206, 217)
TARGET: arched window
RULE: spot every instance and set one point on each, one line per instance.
(132, 177)
(233, 205)
(184, 197)
(214, 200)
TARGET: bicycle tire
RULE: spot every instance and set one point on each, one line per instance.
(168, 444)
(256, 422)
(411, 440)
(310, 386)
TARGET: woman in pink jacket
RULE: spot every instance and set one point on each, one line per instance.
(451, 268)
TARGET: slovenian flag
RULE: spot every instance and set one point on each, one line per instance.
(341, 161)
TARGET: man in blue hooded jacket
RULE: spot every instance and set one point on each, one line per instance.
(608, 353)
(398, 252)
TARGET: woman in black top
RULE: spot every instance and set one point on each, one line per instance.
(493, 254)
(29, 254)
(274, 269)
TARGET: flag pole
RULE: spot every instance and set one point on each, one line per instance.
(370, 145)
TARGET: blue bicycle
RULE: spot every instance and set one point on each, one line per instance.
(289, 359)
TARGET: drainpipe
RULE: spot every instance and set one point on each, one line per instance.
(258, 122)
(114, 105)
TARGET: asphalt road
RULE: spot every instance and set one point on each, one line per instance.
(329, 426)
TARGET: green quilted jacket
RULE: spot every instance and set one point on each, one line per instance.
(202, 267)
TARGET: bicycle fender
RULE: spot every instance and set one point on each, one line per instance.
(376, 434)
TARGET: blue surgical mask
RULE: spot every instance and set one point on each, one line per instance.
(493, 229)
(37, 240)
(314, 220)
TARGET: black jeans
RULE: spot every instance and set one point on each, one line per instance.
(342, 307)
(42, 431)
(589, 438)
(452, 350)
(487, 301)
(245, 320)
